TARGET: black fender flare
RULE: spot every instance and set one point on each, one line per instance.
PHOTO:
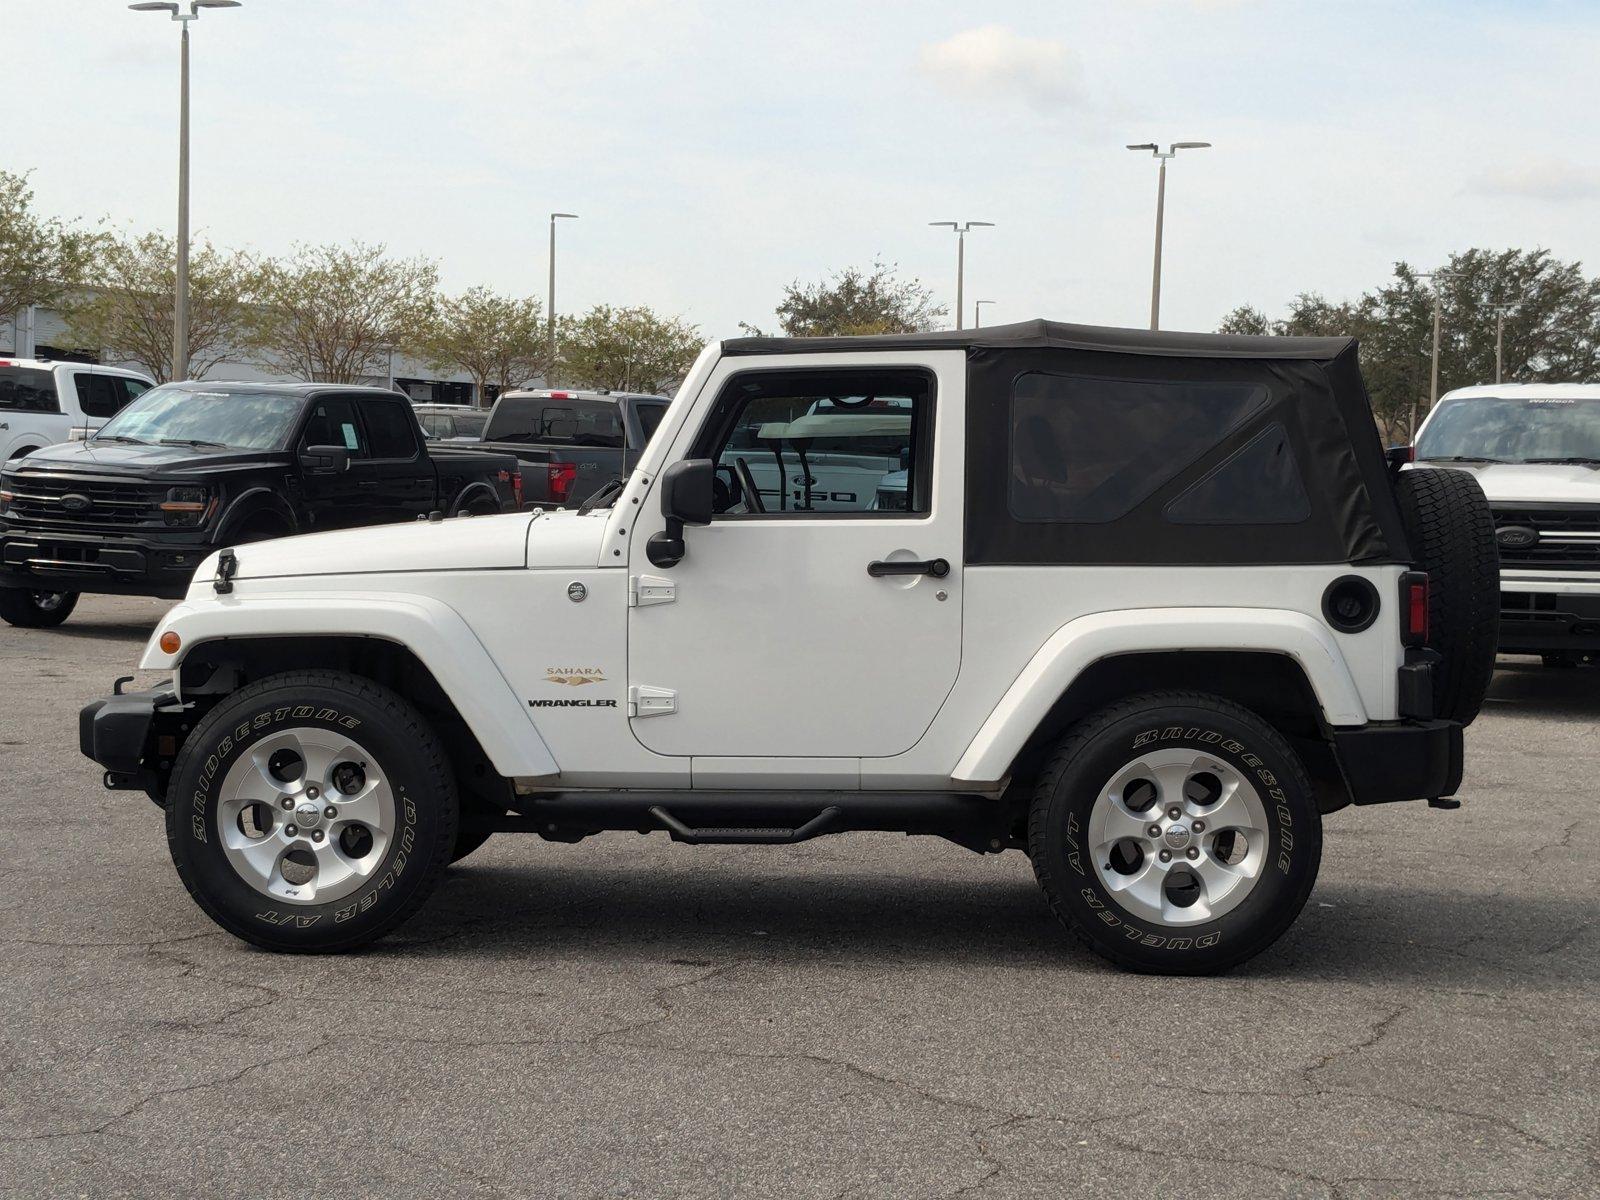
(251, 503)
(475, 491)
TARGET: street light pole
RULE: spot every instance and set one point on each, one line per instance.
(1161, 213)
(1436, 278)
(180, 295)
(977, 312)
(1500, 311)
(961, 257)
(550, 301)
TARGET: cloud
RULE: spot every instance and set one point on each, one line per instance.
(995, 61)
(1545, 179)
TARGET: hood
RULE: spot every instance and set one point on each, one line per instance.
(123, 458)
(1534, 483)
(507, 542)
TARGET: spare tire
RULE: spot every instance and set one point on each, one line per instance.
(1451, 531)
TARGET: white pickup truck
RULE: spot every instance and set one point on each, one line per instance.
(1148, 607)
(44, 402)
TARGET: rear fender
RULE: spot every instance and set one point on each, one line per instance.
(1089, 639)
(433, 631)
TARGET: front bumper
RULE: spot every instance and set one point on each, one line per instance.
(1549, 617)
(1400, 760)
(125, 566)
(132, 735)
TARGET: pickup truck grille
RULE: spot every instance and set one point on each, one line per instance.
(59, 502)
(1567, 538)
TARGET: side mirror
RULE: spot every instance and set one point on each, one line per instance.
(686, 499)
(1399, 456)
(326, 460)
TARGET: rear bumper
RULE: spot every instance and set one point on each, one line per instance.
(122, 566)
(1400, 760)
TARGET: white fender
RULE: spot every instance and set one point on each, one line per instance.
(1080, 643)
(432, 630)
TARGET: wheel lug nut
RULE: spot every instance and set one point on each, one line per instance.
(330, 812)
(316, 836)
(291, 830)
(312, 793)
(1166, 856)
(1174, 812)
(1199, 826)
(286, 802)
(1154, 831)
(1193, 852)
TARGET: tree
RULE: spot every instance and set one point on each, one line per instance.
(625, 349)
(1552, 327)
(855, 301)
(333, 313)
(493, 338)
(127, 314)
(41, 259)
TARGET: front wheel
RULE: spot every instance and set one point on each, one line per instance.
(1175, 833)
(311, 811)
(36, 610)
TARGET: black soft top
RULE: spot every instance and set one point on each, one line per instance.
(1059, 335)
(1092, 445)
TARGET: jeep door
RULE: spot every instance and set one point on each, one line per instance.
(807, 631)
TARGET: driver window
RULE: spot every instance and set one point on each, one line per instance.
(818, 443)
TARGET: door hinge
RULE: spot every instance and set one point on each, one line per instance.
(644, 590)
(646, 701)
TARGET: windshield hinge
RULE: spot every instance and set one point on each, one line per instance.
(644, 590)
(646, 701)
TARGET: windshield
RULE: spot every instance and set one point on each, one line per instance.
(1521, 429)
(226, 419)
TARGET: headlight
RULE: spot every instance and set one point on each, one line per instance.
(187, 506)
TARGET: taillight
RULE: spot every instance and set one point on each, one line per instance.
(516, 488)
(1414, 607)
(561, 476)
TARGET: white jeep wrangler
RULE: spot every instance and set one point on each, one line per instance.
(1147, 606)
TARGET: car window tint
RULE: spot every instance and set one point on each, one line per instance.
(389, 427)
(332, 422)
(98, 395)
(560, 422)
(650, 418)
(28, 389)
(1086, 449)
(1259, 484)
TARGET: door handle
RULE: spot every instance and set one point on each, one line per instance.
(937, 567)
(366, 483)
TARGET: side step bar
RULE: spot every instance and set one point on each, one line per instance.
(981, 823)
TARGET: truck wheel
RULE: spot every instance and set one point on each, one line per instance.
(36, 610)
(1451, 530)
(1175, 833)
(311, 811)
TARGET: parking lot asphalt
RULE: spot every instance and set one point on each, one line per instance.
(867, 1015)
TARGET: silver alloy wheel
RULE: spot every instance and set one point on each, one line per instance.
(1178, 837)
(48, 601)
(305, 816)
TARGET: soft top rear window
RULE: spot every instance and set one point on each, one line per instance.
(560, 422)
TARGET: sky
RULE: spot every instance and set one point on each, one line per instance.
(715, 151)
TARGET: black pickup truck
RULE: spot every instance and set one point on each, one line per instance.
(572, 443)
(189, 467)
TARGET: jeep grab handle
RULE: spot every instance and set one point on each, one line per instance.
(937, 567)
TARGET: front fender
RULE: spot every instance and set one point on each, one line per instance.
(1079, 644)
(432, 630)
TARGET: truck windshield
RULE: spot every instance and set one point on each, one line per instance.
(1514, 429)
(223, 418)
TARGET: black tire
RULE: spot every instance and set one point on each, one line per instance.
(405, 750)
(1095, 752)
(1451, 531)
(34, 609)
(473, 830)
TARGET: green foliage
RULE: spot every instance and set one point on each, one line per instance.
(41, 259)
(625, 349)
(1552, 327)
(332, 313)
(495, 339)
(854, 302)
(127, 313)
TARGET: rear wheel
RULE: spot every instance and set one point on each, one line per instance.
(36, 610)
(1451, 531)
(1175, 833)
(311, 811)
